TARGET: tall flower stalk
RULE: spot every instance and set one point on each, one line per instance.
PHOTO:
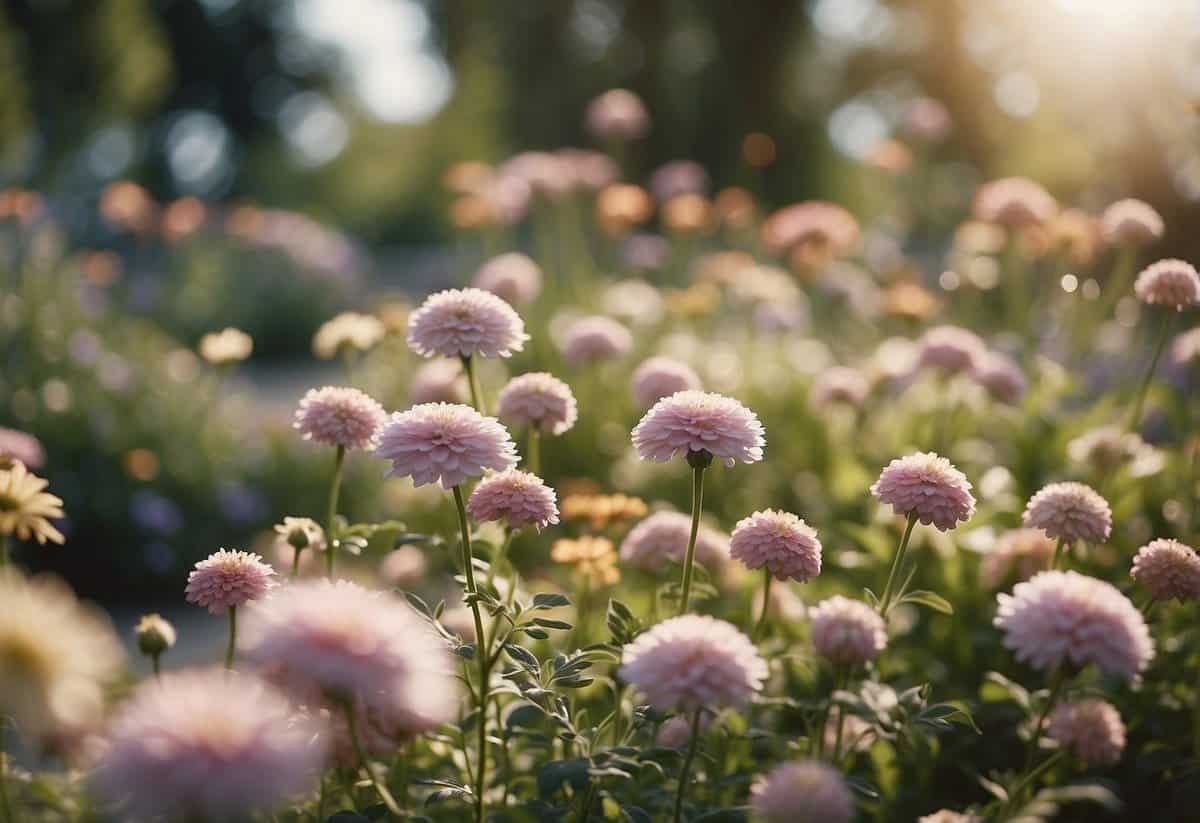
(699, 461)
(885, 600)
(335, 487)
(686, 768)
(481, 653)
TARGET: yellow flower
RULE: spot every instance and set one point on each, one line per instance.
(594, 558)
(601, 509)
(229, 345)
(26, 510)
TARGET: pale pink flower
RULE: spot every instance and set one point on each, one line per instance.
(1066, 617)
(206, 745)
(846, 632)
(1023, 551)
(802, 791)
(678, 177)
(22, 446)
(692, 662)
(839, 386)
(928, 486)
(320, 638)
(1001, 377)
(465, 322)
(927, 119)
(857, 734)
(617, 114)
(1131, 222)
(446, 443)
(515, 498)
(677, 732)
(699, 422)
(1015, 202)
(1071, 511)
(779, 540)
(816, 222)
(227, 579)
(339, 416)
(1185, 349)
(1168, 569)
(592, 339)
(950, 349)
(659, 377)
(1091, 730)
(439, 381)
(403, 567)
(512, 276)
(1106, 448)
(1172, 283)
(664, 536)
(589, 170)
(539, 399)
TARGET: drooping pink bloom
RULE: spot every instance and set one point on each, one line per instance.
(802, 791)
(1131, 222)
(1168, 569)
(465, 322)
(846, 632)
(664, 536)
(592, 339)
(512, 276)
(699, 422)
(1170, 283)
(339, 416)
(928, 486)
(539, 399)
(1071, 511)
(659, 377)
(1014, 202)
(226, 579)
(1091, 730)
(811, 222)
(781, 542)
(446, 443)
(515, 498)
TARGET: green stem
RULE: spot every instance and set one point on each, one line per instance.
(331, 515)
(481, 654)
(687, 767)
(363, 763)
(1058, 552)
(589, 799)
(1056, 686)
(473, 381)
(229, 648)
(4, 550)
(1135, 416)
(766, 605)
(535, 449)
(886, 601)
(296, 563)
(1028, 780)
(689, 559)
(156, 662)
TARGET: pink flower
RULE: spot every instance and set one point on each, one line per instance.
(839, 386)
(1000, 376)
(1014, 202)
(699, 422)
(664, 536)
(539, 399)
(1091, 730)
(781, 541)
(594, 338)
(19, 445)
(617, 114)
(1028, 551)
(512, 277)
(928, 486)
(439, 381)
(1066, 617)
(1071, 511)
(677, 732)
(1168, 569)
(339, 416)
(1131, 222)
(1172, 283)
(403, 567)
(692, 662)
(677, 178)
(659, 377)
(226, 579)
(846, 632)
(465, 322)
(515, 498)
(927, 119)
(802, 791)
(950, 349)
(446, 443)
(817, 222)
(206, 745)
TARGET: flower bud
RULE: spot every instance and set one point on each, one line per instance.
(154, 635)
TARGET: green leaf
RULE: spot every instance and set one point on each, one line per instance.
(552, 776)
(549, 600)
(928, 599)
(521, 655)
(546, 623)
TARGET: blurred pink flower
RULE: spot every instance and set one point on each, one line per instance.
(1131, 222)
(678, 177)
(465, 322)
(781, 542)
(539, 399)
(1071, 511)
(515, 498)
(927, 119)
(226, 579)
(1000, 376)
(846, 632)
(592, 339)
(659, 377)
(404, 567)
(512, 276)
(22, 446)
(928, 486)
(1168, 569)
(446, 443)
(699, 422)
(1023, 551)
(339, 416)
(839, 386)
(811, 222)
(664, 536)
(950, 349)
(802, 791)
(1172, 283)
(1014, 202)
(439, 381)
(617, 114)
(1091, 730)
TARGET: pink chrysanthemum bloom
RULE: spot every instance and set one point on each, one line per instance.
(699, 422)
(950, 349)
(1018, 552)
(802, 791)
(1091, 730)
(664, 536)
(465, 322)
(19, 445)
(446, 443)
(339, 416)
(512, 276)
(1066, 617)
(692, 662)
(781, 541)
(439, 381)
(206, 745)
(539, 399)
(659, 377)
(1172, 283)
(1001, 377)
(1015, 202)
(949, 816)
(678, 177)
(847, 632)
(320, 638)
(594, 338)
(928, 486)
(617, 114)
(1131, 222)
(515, 498)
(404, 567)
(839, 386)
(1071, 511)
(1168, 569)
(227, 579)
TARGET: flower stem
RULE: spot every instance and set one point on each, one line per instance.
(535, 449)
(381, 789)
(4, 550)
(296, 563)
(886, 601)
(690, 558)
(229, 648)
(1135, 417)
(687, 766)
(766, 605)
(156, 663)
(473, 381)
(331, 516)
(481, 654)
(1058, 552)
(1056, 685)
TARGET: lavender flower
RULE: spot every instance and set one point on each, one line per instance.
(446, 443)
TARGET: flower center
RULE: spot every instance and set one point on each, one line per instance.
(8, 503)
